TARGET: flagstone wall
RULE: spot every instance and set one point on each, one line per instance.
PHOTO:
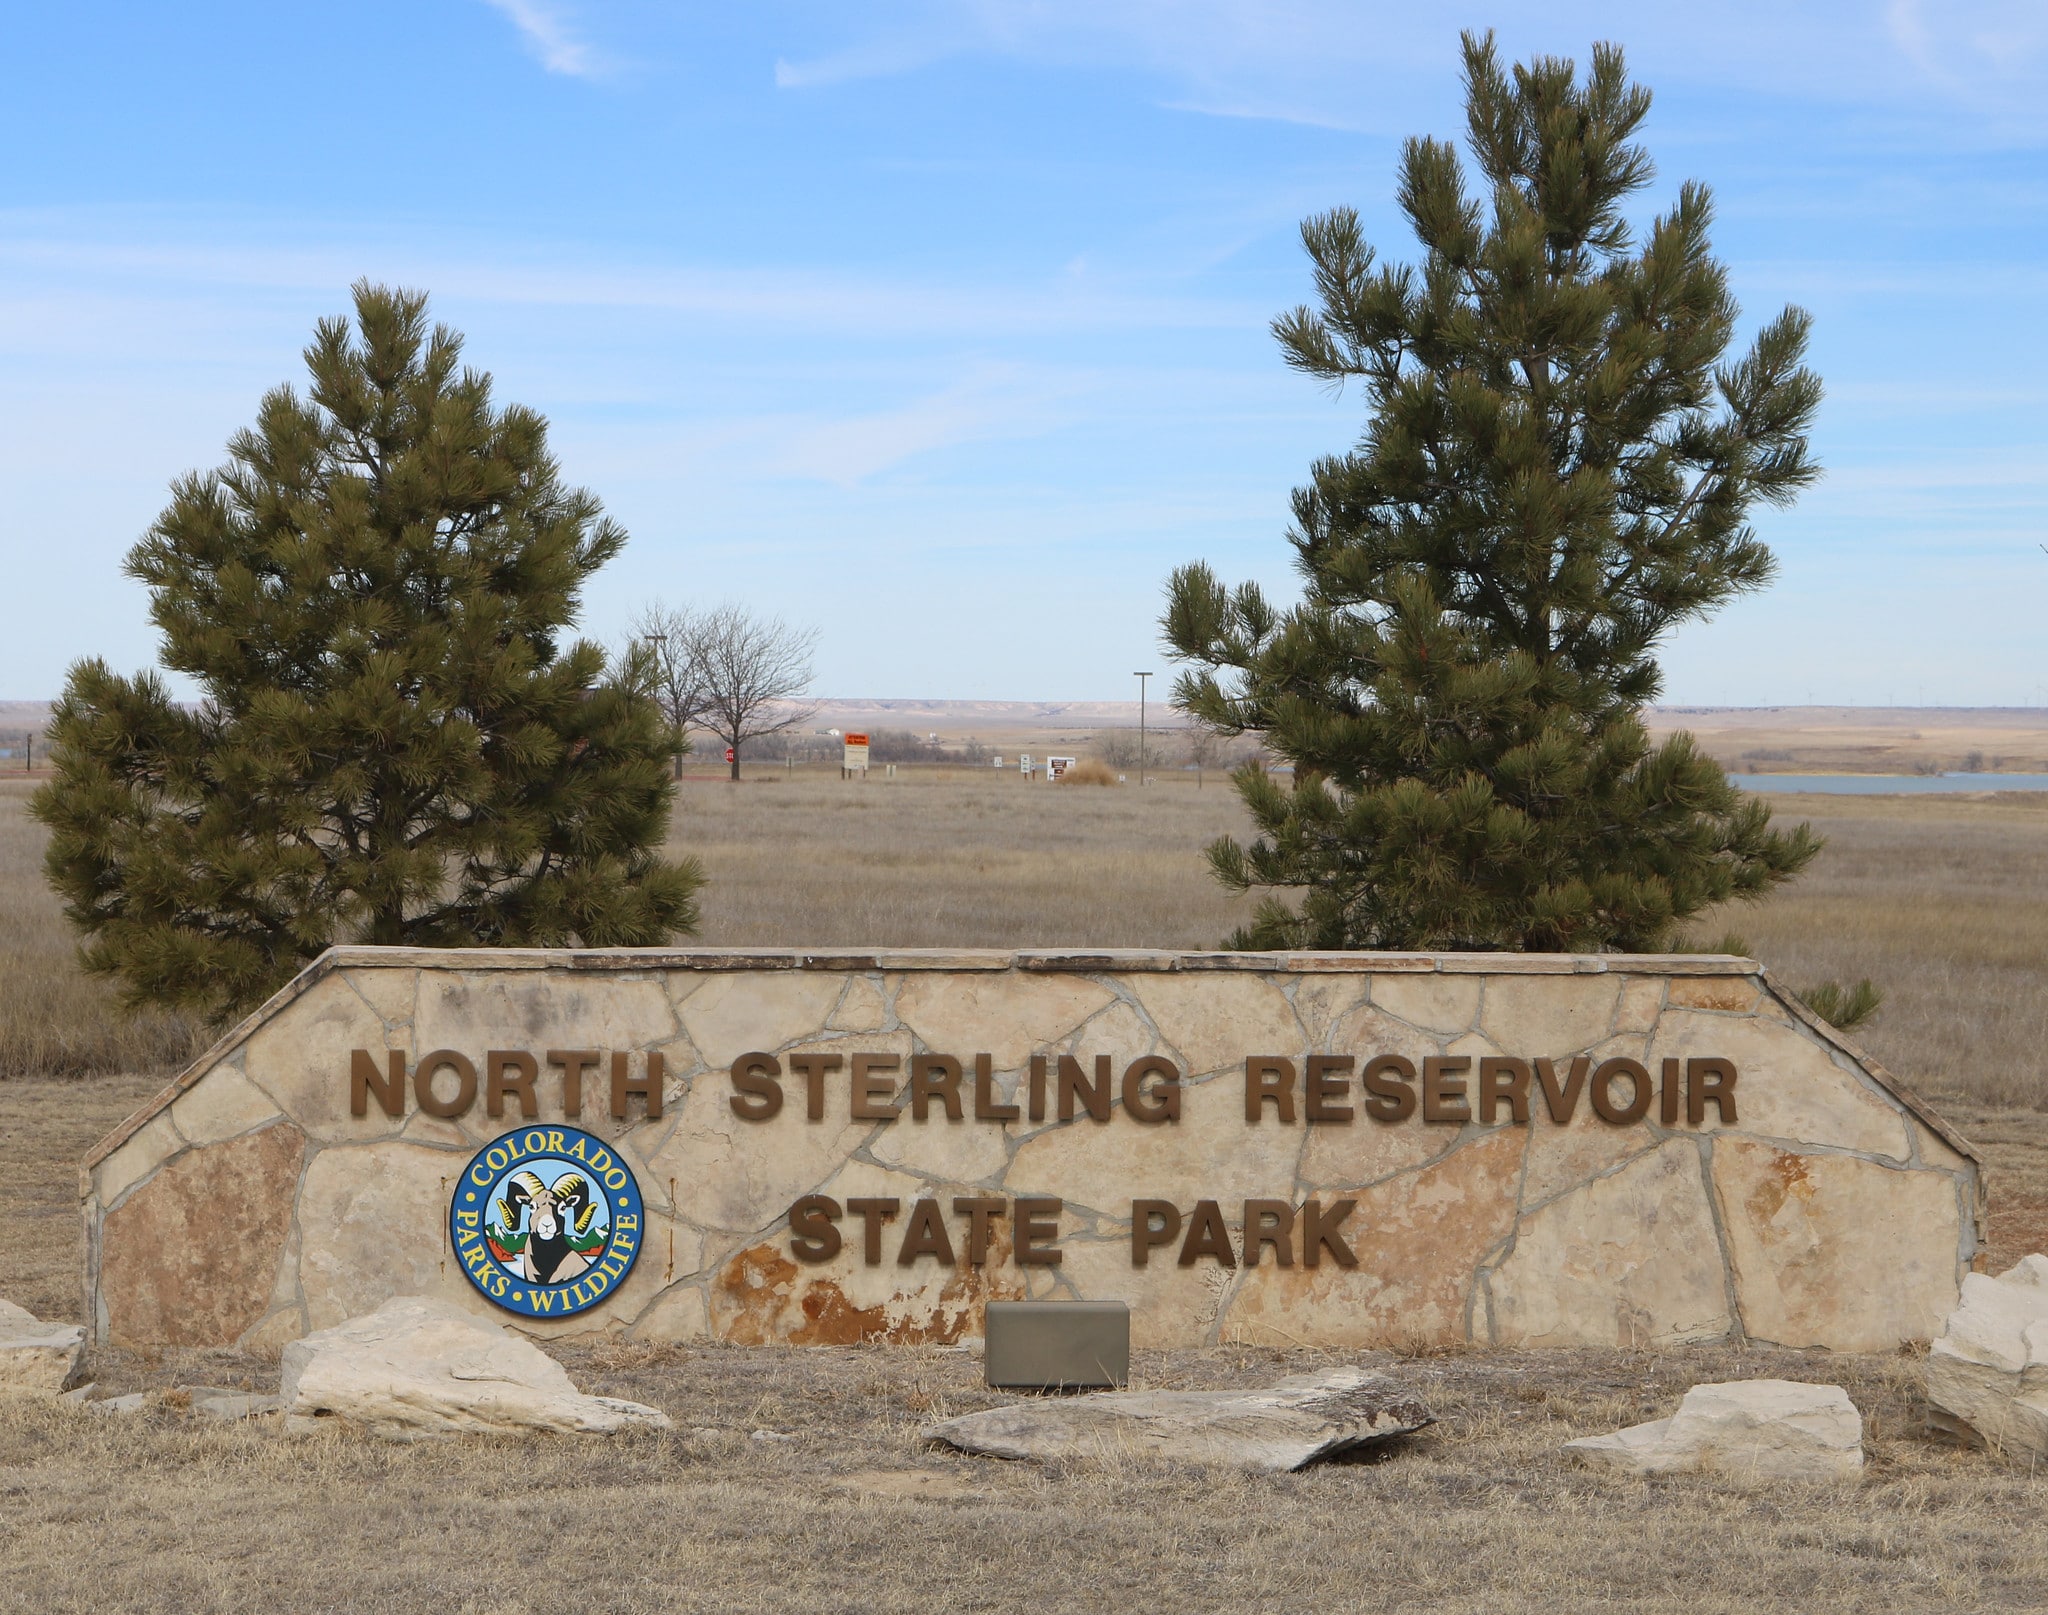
(251, 1203)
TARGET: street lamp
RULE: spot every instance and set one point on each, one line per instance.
(1141, 678)
(658, 649)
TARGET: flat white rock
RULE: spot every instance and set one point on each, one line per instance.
(36, 1356)
(228, 1406)
(417, 1368)
(1755, 1429)
(1987, 1376)
(1295, 1422)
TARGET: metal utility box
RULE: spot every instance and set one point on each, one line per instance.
(1057, 1345)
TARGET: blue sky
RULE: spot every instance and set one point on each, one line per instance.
(943, 326)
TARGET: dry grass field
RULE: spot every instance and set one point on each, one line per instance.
(1942, 900)
(1865, 740)
(53, 1019)
(1479, 1515)
(952, 858)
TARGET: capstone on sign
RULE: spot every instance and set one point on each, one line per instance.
(1341, 1149)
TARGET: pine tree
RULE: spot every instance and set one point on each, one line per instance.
(393, 744)
(1557, 468)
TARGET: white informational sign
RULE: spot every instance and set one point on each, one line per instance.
(1056, 766)
(856, 754)
(1024, 765)
(997, 761)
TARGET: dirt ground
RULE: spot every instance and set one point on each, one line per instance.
(1482, 1512)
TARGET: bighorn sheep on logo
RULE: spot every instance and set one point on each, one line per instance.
(558, 1243)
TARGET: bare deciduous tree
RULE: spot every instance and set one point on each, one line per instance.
(751, 670)
(667, 639)
(1117, 747)
(1204, 748)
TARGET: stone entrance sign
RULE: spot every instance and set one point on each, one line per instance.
(1334, 1149)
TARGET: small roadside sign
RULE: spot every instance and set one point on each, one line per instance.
(856, 754)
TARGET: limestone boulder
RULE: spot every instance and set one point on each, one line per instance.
(1759, 1429)
(226, 1407)
(418, 1368)
(1987, 1375)
(1295, 1422)
(36, 1356)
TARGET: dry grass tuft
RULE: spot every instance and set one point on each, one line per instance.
(1090, 771)
(956, 858)
(1480, 1513)
(1942, 901)
(54, 1019)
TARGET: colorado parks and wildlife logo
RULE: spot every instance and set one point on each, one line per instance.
(546, 1221)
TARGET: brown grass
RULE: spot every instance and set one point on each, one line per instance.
(955, 858)
(1940, 899)
(1865, 740)
(1089, 771)
(1943, 901)
(1480, 1513)
(54, 1019)
(1944, 904)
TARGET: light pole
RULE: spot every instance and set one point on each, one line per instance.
(658, 644)
(1141, 678)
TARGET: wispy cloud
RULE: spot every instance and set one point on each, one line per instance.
(1271, 112)
(1962, 68)
(216, 255)
(550, 39)
(881, 59)
(1964, 44)
(995, 403)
